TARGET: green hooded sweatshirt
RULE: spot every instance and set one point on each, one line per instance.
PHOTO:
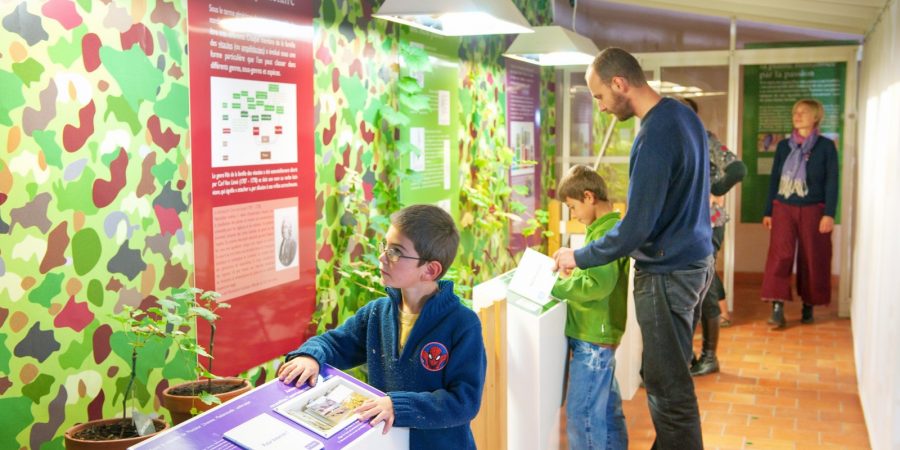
(597, 297)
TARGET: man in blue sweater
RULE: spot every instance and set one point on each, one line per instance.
(422, 346)
(666, 230)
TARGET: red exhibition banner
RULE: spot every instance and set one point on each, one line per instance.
(253, 158)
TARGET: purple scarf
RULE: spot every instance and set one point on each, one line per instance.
(793, 173)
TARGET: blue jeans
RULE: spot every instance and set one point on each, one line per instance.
(665, 305)
(594, 417)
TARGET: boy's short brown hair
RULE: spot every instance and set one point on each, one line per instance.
(432, 232)
(580, 178)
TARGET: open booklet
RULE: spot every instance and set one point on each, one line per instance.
(265, 432)
(534, 277)
(326, 408)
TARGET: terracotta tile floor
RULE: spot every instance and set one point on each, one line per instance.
(790, 389)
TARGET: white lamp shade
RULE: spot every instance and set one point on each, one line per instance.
(456, 17)
(553, 46)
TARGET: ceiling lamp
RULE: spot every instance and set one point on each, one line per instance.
(456, 17)
(553, 46)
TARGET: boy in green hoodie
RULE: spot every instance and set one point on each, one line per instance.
(595, 321)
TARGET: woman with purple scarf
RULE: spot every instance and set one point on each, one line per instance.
(803, 193)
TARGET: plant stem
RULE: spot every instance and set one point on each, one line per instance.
(130, 382)
(209, 360)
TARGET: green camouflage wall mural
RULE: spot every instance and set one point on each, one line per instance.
(95, 205)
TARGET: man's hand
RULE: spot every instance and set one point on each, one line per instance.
(826, 225)
(378, 410)
(298, 370)
(565, 260)
(767, 222)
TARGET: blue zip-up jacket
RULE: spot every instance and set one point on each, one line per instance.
(666, 226)
(435, 384)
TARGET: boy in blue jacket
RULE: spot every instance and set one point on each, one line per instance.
(422, 346)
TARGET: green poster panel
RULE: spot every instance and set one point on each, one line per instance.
(429, 144)
(769, 93)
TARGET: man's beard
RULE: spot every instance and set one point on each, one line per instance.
(620, 108)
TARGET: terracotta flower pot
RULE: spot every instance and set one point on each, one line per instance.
(73, 443)
(181, 405)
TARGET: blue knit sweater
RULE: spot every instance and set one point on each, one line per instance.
(666, 226)
(435, 384)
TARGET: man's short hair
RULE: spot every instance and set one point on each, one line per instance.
(432, 232)
(615, 62)
(580, 178)
(812, 104)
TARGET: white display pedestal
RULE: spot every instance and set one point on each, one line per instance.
(536, 358)
(631, 347)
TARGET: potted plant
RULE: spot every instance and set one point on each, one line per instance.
(188, 399)
(121, 433)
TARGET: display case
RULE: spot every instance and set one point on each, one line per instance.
(261, 418)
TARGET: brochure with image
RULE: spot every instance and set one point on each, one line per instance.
(265, 432)
(326, 408)
(534, 277)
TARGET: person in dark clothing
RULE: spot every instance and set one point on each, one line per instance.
(725, 171)
(800, 209)
(666, 231)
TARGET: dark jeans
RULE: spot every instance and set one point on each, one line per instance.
(665, 304)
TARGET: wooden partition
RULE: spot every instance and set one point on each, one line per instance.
(489, 426)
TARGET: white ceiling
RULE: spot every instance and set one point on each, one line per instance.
(841, 16)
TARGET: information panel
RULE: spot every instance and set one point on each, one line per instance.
(253, 168)
(523, 128)
(769, 93)
(433, 132)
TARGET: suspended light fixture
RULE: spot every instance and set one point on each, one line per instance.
(553, 46)
(456, 17)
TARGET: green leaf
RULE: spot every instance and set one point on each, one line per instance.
(209, 399)
(415, 58)
(393, 117)
(409, 85)
(416, 103)
(204, 313)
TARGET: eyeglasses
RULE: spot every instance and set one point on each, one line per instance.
(393, 255)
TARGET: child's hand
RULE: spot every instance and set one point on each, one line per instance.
(378, 410)
(301, 369)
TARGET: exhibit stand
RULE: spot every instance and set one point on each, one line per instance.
(535, 363)
(280, 416)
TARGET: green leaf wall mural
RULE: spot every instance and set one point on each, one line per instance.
(95, 188)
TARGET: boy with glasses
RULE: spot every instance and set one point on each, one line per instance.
(422, 346)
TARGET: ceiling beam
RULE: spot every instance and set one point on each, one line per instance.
(764, 15)
(802, 7)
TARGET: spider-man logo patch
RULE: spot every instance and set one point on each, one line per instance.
(434, 356)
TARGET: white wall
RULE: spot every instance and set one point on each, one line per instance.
(876, 261)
